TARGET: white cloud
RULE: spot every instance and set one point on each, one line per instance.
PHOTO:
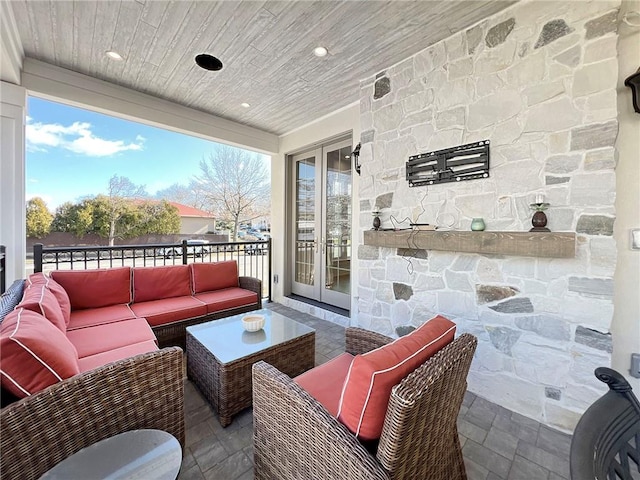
(77, 138)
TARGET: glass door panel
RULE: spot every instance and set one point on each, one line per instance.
(305, 229)
(337, 225)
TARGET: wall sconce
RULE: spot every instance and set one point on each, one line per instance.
(633, 82)
(356, 158)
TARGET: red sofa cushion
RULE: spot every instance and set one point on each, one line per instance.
(155, 283)
(57, 290)
(100, 359)
(371, 377)
(38, 298)
(34, 354)
(95, 288)
(167, 310)
(102, 338)
(227, 298)
(206, 277)
(324, 382)
(100, 316)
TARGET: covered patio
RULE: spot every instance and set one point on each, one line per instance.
(542, 82)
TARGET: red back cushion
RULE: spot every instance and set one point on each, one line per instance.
(95, 288)
(366, 391)
(33, 353)
(206, 277)
(154, 283)
(39, 299)
(57, 290)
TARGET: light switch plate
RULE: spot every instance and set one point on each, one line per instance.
(635, 239)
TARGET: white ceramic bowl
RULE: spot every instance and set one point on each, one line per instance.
(253, 322)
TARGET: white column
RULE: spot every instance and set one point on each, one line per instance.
(13, 100)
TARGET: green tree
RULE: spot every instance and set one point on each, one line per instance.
(39, 218)
(236, 185)
(76, 218)
(156, 217)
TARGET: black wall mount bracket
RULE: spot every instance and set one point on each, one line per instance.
(464, 162)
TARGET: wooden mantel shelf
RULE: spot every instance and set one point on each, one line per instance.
(526, 244)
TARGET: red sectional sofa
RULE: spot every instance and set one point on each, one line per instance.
(75, 321)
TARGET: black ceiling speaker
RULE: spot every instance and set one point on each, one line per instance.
(208, 62)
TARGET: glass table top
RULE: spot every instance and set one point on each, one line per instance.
(228, 341)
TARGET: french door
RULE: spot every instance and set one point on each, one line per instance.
(321, 224)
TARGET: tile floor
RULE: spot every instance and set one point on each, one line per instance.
(496, 443)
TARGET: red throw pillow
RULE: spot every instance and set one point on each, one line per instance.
(33, 353)
(206, 277)
(155, 283)
(57, 290)
(39, 299)
(95, 288)
(367, 389)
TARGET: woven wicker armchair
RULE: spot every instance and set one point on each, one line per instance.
(145, 391)
(296, 438)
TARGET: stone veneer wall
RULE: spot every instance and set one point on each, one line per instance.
(538, 80)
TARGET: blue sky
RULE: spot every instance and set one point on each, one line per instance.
(72, 153)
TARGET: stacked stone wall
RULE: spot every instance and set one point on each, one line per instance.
(539, 81)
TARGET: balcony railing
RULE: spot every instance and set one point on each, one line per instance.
(253, 258)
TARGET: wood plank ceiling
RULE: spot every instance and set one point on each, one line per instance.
(266, 48)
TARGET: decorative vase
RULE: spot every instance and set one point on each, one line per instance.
(477, 225)
(539, 219)
(376, 220)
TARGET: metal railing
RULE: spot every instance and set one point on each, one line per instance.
(253, 258)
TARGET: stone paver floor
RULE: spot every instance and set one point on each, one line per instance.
(496, 443)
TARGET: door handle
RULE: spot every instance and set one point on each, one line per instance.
(315, 242)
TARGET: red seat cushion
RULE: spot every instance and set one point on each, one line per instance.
(57, 290)
(102, 338)
(371, 377)
(155, 283)
(206, 277)
(159, 312)
(99, 316)
(99, 359)
(34, 354)
(38, 298)
(324, 382)
(227, 298)
(95, 288)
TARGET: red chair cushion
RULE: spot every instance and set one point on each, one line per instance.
(227, 298)
(371, 377)
(38, 298)
(99, 316)
(100, 359)
(167, 310)
(155, 283)
(206, 277)
(324, 382)
(34, 354)
(95, 288)
(102, 338)
(57, 290)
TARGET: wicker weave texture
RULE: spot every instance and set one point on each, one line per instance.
(228, 387)
(296, 438)
(423, 410)
(145, 391)
(173, 334)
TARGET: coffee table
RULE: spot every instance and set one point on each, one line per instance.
(220, 355)
(137, 454)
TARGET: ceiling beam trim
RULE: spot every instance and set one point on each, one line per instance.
(11, 45)
(55, 83)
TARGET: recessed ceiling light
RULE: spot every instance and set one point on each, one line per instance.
(320, 51)
(208, 62)
(113, 55)
(245, 105)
